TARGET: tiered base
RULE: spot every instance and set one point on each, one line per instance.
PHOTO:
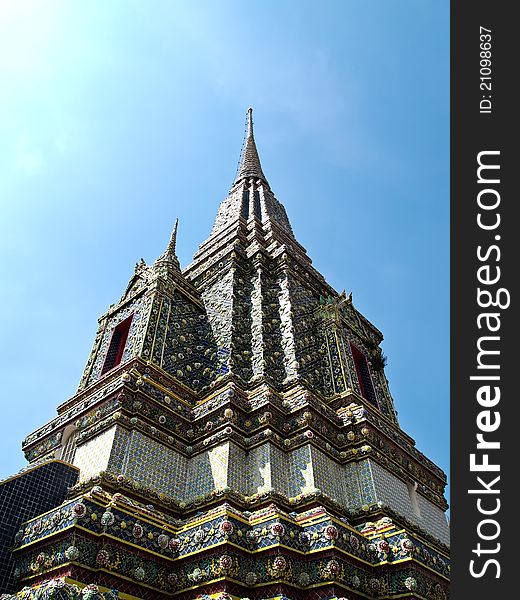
(106, 544)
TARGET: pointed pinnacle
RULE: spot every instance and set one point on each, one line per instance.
(170, 251)
(249, 122)
(250, 161)
(169, 255)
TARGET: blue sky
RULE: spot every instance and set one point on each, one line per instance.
(117, 117)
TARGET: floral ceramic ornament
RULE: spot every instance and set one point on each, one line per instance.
(277, 529)
(406, 545)
(107, 519)
(89, 592)
(226, 527)
(279, 564)
(410, 583)
(330, 532)
(333, 567)
(163, 541)
(354, 542)
(79, 510)
(102, 557)
(225, 562)
(72, 553)
(137, 531)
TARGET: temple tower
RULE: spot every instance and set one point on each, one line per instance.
(234, 436)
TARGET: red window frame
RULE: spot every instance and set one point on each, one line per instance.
(117, 345)
(364, 376)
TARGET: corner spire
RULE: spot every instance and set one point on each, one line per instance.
(249, 160)
(169, 255)
(172, 244)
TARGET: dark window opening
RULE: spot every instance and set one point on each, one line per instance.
(245, 203)
(363, 373)
(117, 345)
(258, 212)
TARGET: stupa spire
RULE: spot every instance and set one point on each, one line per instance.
(250, 161)
(249, 121)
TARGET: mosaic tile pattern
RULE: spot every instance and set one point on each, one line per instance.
(237, 469)
(280, 542)
(240, 203)
(328, 476)
(231, 452)
(259, 470)
(352, 485)
(207, 471)
(23, 497)
(139, 309)
(300, 471)
(279, 461)
(394, 492)
(152, 464)
(93, 456)
(185, 346)
(218, 301)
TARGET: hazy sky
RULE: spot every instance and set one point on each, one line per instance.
(118, 116)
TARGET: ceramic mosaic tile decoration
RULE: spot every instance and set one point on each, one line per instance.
(235, 437)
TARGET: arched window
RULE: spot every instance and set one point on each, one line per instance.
(68, 449)
(414, 501)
